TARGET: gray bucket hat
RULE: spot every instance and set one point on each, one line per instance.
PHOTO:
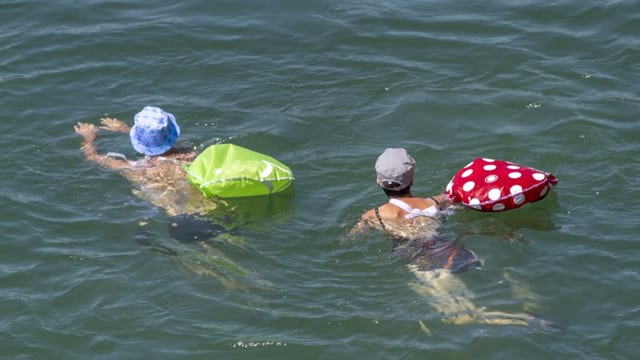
(394, 169)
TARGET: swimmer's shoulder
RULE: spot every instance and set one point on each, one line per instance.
(389, 211)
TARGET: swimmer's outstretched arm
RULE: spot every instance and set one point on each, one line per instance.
(112, 124)
(89, 132)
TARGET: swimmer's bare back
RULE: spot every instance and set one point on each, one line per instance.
(161, 179)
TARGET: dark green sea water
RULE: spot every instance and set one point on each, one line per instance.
(324, 86)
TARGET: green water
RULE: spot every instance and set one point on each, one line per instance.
(324, 87)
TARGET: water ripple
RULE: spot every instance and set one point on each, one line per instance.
(323, 86)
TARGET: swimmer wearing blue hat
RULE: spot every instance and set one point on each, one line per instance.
(161, 180)
(160, 174)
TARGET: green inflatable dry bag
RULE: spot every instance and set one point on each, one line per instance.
(227, 170)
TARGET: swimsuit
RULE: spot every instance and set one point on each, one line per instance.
(432, 211)
(439, 253)
(141, 162)
(191, 228)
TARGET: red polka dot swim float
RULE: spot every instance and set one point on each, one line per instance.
(497, 185)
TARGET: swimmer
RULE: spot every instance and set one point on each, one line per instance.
(404, 216)
(412, 223)
(160, 179)
(160, 174)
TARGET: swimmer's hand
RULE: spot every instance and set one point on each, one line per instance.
(87, 131)
(112, 124)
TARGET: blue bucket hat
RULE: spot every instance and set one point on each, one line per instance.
(155, 131)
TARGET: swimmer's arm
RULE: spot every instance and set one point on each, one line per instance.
(358, 228)
(114, 125)
(362, 226)
(89, 132)
(442, 201)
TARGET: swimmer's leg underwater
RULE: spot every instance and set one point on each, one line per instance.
(436, 268)
(450, 297)
(193, 250)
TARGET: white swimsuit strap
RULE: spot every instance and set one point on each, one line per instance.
(431, 211)
(123, 157)
(117, 155)
(143, 162)
(401, 204)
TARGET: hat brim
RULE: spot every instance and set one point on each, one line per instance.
(152, 151)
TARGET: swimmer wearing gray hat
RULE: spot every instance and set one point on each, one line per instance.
(412, 224)
(404, 215)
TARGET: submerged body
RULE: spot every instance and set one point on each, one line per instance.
(162, 181)
(437, 264)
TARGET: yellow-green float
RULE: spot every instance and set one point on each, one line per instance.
(227, 171)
